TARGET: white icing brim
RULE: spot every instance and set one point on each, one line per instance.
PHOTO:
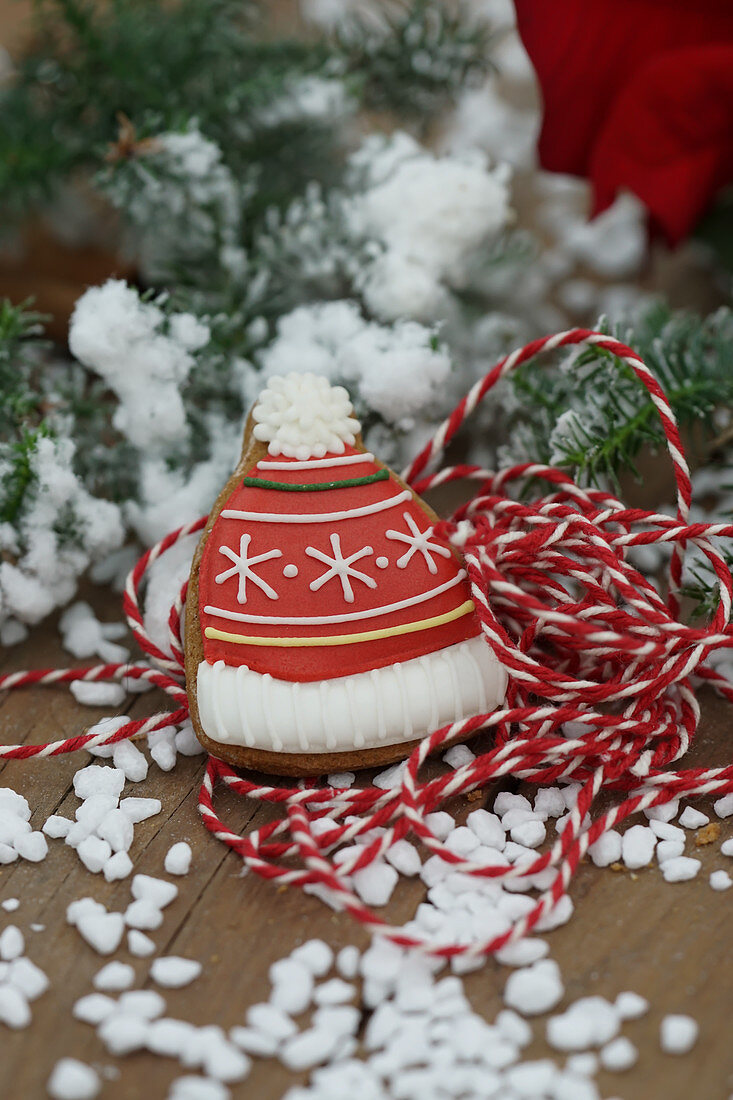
(384, 706)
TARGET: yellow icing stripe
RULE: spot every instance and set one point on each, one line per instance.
(343, 639)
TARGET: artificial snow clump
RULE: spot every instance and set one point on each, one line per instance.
(144, 356)
(426, 218)
(182, 186)
(59, 530)
(398, 372)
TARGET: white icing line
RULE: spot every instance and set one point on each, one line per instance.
(269, 721)
(325, 620)
(317, 463)
(404, 700)
(317, 517)
(242, 709)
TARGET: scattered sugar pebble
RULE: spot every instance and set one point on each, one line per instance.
(117, 867)
(390, 777)
(462, 841)
(139, 944)
(192, 1087)
(347, 961)
(666, 811)
(459, 755)
(678, 1034)
(440, 823)
(178, 858)
(588, 1022)
(140, 809)
(15, 804)
(534, 989)
(690, 818)
(123, 1032)
(309, 1048)
(143, 915)
(512, 1027)
(292, 986)
(549, 802)
(14, 1009)
(172, 1038)
(341, 780)
(98, 779)
(334, 992)
(254, 1042)
(162, 745)
(142, 1002)
(720, 880)
(507, 800)
(680, 869)
(316, 956)
(128, 758)
(8, 854)
(12, 943)
(11, 904)
(618, 1055)
(557, 916)
(271, 1020)
(374, 884)
(187, 742)
(607, 849)
(669, 849)
(31, 846)
(665, 831)
(487, 827)
(94, 853)
(637, 846)
(155, 890)
(56, 826)
(114, 977)
(631, 1006)
(117, 829)
(724, 806)
(404, 857)
(28, 978)
(98, 694)
(726, 847)
(530, 833)
(101, 930)
(93, 1008)
(174, 972)
(73, 1080)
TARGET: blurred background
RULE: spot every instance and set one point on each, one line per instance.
(199, 194)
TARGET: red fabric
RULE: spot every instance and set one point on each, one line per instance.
(637, 94)
(295, 598)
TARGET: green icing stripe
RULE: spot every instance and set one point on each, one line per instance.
(262, 483)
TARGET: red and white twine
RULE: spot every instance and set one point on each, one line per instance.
(589, 644)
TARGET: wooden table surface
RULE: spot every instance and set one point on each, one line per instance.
(670, 943)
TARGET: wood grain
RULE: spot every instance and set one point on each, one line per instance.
(630, 931)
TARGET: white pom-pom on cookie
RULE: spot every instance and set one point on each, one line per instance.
(302, 416)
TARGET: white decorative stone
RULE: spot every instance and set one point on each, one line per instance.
(174, 972)
(73, 1080)
(678, 1034)
(178, 858)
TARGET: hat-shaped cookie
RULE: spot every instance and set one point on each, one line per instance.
(326, 627)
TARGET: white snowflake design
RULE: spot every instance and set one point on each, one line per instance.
(418, 542)
(242, 568)
(340, 567)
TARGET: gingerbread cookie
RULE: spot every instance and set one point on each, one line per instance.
(325, 627)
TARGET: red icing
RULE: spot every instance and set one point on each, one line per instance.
(295, 598)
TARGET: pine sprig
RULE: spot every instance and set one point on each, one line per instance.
(594, 416)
